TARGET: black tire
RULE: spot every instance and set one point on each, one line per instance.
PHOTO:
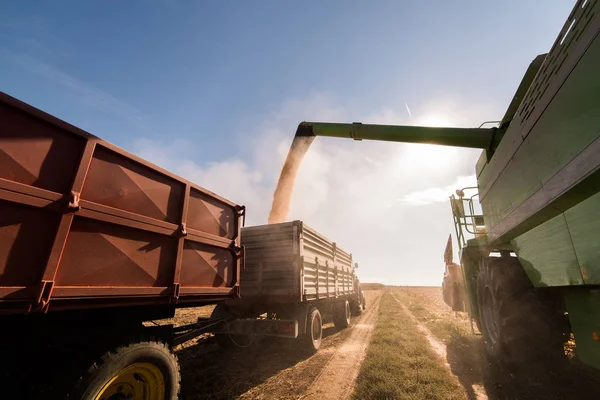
(341, 319)
(357, 306)
(311, 340)
(156, 354)
(446, 292)
(458, 303)
(226, 340)
(519, 325)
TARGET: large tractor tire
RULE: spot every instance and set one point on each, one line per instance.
(458, 297)
(311, 340)
(140, 371)
(341, 318)
(519, 324)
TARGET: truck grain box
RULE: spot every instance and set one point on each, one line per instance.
(291, 262)
(295, 277)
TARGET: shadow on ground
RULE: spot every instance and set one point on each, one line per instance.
(210, 372)
(569, 380)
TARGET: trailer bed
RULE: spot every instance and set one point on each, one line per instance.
(84, 224)
(291, 262)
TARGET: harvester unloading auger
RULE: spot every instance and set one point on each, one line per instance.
(532, 270)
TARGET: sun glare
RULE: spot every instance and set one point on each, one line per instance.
(427, 157)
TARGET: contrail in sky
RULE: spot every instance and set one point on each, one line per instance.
(408, 109)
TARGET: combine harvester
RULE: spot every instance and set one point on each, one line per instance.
(532, 270)
(96, 245)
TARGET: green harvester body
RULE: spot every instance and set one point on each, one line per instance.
(538, 175)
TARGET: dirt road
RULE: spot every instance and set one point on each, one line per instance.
(475, 391)
(273, 368)
(337, 379)
(462, 352)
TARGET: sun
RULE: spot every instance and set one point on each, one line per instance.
(427, 157)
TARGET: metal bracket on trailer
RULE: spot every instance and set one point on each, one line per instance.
(73, 202)
(176, 291)
(43, 298)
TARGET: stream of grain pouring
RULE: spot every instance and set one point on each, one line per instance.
(283, 193)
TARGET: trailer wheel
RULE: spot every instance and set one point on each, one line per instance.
(518, 325)
(341, 320)
(144, 370)
(357, 308)
(311, 340)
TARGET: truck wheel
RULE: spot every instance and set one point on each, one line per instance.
(144, 370)
(518, 325)
(226, 340)
(342, 317)
(357, 308)
(311, 340)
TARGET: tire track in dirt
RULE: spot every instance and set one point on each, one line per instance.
(439, 348)
(338, 377)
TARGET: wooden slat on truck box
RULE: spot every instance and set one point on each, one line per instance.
(291, 262)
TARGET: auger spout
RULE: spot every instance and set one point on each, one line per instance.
(478, 138)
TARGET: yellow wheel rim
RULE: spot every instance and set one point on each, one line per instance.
(139, 381)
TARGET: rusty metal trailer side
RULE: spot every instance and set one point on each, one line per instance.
(85, 224)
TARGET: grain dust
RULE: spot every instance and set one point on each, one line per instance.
(283, 193)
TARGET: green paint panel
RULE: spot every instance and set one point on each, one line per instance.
(584, 313)
(547, 254)
(568, 125)
(584, 225)
(481, 163)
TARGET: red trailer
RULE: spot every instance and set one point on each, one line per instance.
(93, 242)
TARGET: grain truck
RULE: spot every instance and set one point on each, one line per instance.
(293, 273)
(96, 243)
(532, 269)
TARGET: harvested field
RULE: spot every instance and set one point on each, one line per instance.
(270, 368)
(466, 360)
(416, 347)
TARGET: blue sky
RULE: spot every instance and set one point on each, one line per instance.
(213, 90)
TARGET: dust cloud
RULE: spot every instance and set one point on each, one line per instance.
(283, 193)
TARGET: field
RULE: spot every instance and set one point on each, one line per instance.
(407, 345)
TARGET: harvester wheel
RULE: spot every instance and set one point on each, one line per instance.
(458, 302)
(143, 370)
(341, 320)
(517, 323)
(311, 340)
